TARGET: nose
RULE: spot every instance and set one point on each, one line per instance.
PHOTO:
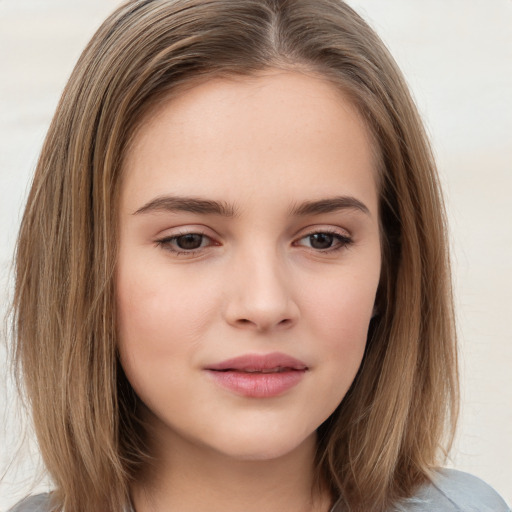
(261, 296)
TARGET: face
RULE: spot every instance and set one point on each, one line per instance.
(249, 261)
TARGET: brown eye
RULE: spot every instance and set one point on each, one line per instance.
(186, 244)
(324, 241)
(321, 240)
(189, 242)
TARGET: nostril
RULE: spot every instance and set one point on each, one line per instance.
(285, 322)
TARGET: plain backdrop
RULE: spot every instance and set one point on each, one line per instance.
(457, 58)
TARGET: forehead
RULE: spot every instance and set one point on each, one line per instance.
(278, 129)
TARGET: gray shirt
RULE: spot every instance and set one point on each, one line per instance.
(451, 491)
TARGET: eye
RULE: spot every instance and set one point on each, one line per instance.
(324, 241)
(186, 243)
(190, 241)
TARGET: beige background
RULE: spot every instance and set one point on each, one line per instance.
(457, 57)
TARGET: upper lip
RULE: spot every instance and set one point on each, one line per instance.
(259, 362)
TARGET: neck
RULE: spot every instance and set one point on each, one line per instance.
(191, 479)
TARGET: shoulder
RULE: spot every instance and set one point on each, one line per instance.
(38, 503)
(455, 491)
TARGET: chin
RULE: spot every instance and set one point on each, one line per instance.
(263, 446)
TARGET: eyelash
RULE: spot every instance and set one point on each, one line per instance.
(166, 243)
(343, 241)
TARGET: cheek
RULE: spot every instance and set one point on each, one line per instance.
(161, 317)
(158, 299)
(342, 307)
(339, 316)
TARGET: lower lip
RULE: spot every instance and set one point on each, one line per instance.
(258, 385)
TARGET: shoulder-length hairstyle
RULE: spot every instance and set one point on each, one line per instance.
(384, 439)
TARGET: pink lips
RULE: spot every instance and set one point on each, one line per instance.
(258, 376)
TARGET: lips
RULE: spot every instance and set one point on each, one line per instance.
(258, 376)
(259, 363)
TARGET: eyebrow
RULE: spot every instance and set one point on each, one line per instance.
(211, 207)
(329, 205)
(187, 204)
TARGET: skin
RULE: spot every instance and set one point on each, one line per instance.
(258, 283)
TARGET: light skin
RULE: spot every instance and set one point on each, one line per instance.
(248, 225)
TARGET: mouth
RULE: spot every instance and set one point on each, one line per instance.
(265, 371)
(258, 376)
(263, 363)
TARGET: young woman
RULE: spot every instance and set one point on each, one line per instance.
(232, 287)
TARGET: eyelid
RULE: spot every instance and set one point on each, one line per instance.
(188, 229)
(322, 228)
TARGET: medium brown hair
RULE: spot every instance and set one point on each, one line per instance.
(384, 439)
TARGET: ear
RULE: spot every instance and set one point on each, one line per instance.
(375, 311)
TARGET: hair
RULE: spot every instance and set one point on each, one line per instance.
(387, 435)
